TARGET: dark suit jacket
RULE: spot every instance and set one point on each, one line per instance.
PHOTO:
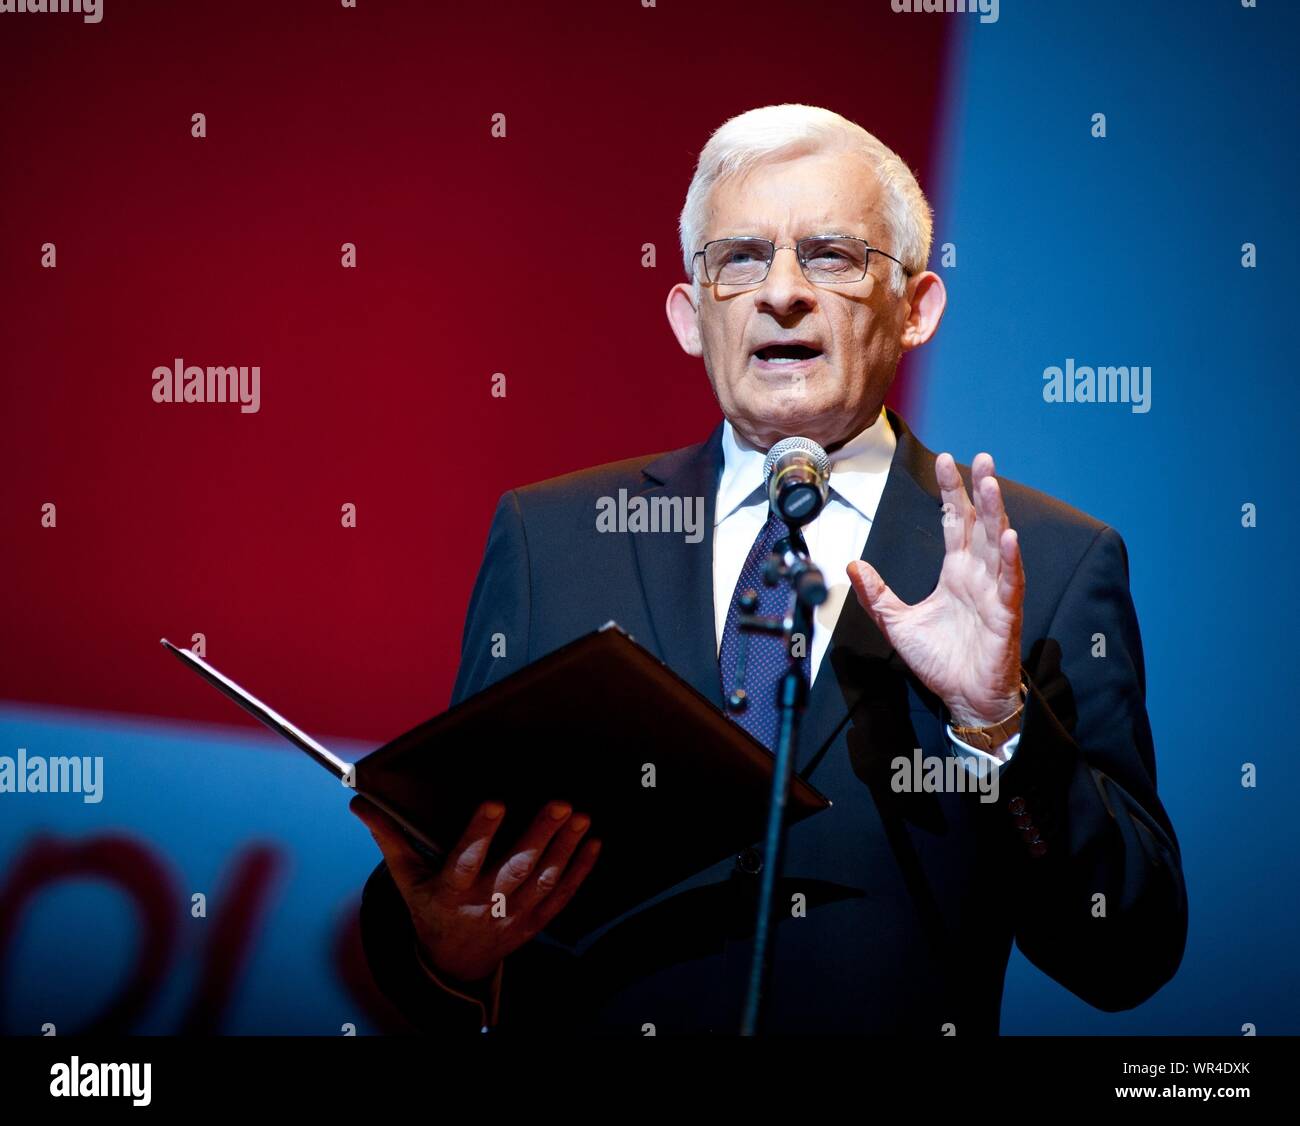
(913, 898)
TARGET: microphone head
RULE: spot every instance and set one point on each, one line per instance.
(818, 455)
(796, 472)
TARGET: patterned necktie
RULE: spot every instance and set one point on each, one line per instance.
(766, 659)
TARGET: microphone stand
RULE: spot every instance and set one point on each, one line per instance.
(808, 589)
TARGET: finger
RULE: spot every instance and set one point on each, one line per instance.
(992, 517)
(578, 871)
(551, 867)
(408, 868)
(1011, 579)
(465, 861)
(874, 595)
(523, 857)
(958, 512)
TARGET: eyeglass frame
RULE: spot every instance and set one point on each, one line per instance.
(807, 238)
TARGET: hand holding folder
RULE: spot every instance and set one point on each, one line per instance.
(671, 786)
(468, 914)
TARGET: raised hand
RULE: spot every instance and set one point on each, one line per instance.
(963, 641)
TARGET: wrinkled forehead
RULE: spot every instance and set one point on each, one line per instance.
(820, 193)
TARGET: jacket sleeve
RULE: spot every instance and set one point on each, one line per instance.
(494, 643)
(1100, 902)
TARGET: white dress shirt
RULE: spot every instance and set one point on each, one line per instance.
(835, 538)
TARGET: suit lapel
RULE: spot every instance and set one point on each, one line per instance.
(677, 576)
(905, 545)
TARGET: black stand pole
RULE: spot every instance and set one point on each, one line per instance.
(808, 590)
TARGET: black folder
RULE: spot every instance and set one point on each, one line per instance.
(671, 784)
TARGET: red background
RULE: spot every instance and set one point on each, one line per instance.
(329, 125)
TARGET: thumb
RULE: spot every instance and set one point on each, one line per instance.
(874, 595)
(407, 867)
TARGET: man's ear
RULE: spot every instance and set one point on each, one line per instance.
(685, 319)
(927, 299)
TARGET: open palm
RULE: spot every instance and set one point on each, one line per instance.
(963, 641)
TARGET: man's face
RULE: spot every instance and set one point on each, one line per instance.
(851, 334)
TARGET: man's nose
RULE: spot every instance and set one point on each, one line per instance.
(785, 289)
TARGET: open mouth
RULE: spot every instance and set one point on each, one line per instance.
(787, 353)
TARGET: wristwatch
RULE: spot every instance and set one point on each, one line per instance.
(987, 738)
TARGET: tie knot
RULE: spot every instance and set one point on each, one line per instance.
(773, 531)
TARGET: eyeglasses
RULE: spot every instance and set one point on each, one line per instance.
(824, 259)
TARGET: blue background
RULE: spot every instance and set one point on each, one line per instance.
(1127, 250)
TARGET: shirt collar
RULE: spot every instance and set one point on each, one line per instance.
(858, 470)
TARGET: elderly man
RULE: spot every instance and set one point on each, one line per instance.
(970, 635)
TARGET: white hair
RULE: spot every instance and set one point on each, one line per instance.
(773, 133)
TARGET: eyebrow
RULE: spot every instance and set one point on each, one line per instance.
(754, 224)
(815, 230)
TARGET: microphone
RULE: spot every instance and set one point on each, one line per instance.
(797, 473)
